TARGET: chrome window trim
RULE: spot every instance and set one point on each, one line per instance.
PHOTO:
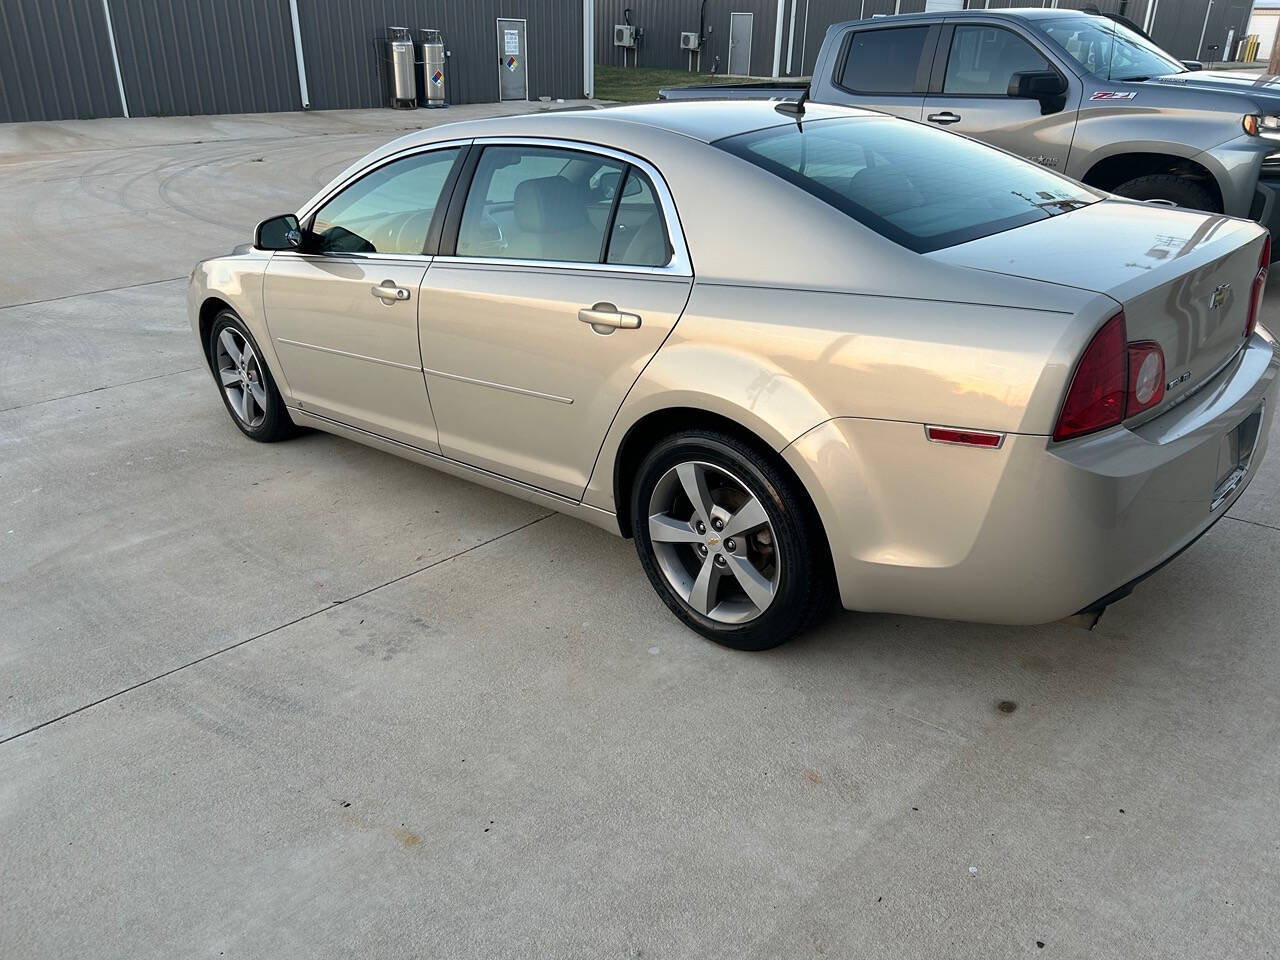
(562, 265)
(318, 201)
(680, 264)
(338, 256)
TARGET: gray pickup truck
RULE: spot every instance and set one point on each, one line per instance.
(1077, 92)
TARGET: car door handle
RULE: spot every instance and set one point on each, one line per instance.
(609, 317)
(944, 118)
(388, 292)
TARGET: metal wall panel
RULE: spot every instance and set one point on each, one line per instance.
(55, 61)
(183, 57)
(664, 20)
(344, 67)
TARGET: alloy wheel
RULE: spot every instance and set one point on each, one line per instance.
(240, 374)
(714, 542)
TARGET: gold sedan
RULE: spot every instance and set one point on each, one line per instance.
(795, 355)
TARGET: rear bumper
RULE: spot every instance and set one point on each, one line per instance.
(1033, 531)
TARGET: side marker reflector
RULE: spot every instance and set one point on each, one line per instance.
(966, 438)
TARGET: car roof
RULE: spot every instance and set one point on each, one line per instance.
(703, 120)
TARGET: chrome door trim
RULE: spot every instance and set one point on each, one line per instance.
(353, 356)
(320, 199)
(497, 386)
(680, 265)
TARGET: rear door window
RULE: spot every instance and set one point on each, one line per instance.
(883, 61)
(983, 59)
(539, 203)
(639, 235)
(922, 188)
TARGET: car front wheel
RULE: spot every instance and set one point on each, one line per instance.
(248, 389)
(728, 541)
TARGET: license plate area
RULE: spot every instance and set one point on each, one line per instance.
(1234, 456)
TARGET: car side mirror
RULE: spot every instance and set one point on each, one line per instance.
(1193, 64)
(278, 233)
(1047, 86)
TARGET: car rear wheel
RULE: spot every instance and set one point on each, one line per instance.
(728, 541)
(1169, 189)
(248, 389)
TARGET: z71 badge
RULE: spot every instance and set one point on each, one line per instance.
(1115, 95)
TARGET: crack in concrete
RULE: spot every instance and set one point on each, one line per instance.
(1252, 523)
(109, 386)
(89, 293)
(266, 633)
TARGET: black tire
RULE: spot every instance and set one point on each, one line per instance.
(274, 423)
(803, 591)
(1166, 186)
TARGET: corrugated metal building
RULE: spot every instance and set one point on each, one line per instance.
(66, 59)
(1190, 29)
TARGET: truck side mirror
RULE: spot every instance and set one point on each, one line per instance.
(278, 233)
(1047, 86)
(1193, 64)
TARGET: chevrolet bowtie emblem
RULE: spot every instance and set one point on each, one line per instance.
(1219, 295)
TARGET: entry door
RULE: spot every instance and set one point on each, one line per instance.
(740, 44)
(513, 67)
(976, 65)
(347, 354)
(344, 315)
(529, 341)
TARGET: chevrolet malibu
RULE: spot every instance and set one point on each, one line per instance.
(793, 352)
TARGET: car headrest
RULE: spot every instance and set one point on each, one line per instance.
(549, 205)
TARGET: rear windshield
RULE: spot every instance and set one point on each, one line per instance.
(922, 188)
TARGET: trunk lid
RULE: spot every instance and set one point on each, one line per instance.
(1183, 278)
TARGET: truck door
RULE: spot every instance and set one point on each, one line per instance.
(885, 68)
(969, 93)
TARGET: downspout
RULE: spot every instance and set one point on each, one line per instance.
(791, 34)
(297, 52)
(777, 40)
(588, 49)
(115, 57)
(1204, 29)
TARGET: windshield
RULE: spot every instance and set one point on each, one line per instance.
(920, 187)
(1110, 50)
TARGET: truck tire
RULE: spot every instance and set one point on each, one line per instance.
(1179, 191)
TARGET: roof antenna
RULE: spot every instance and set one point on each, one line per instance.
(795, 106)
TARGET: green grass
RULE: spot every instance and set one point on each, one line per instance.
(637, 84)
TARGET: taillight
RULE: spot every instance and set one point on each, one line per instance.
(1146, 376)
(1113, 380)
(1259, 286)
(1096, 398)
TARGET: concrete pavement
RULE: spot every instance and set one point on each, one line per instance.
(311, 700)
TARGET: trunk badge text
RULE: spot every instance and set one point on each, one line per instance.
(1219, 295)
(1183, 377)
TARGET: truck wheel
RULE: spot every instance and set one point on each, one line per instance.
(1178, 191)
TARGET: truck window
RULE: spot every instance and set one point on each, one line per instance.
(982, 59)
(1110, 50)
(883, 61)
(922, 188)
